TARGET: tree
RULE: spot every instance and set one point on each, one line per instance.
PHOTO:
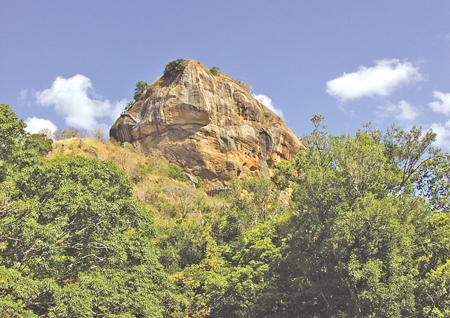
(73, 232)
(39, 142)
(46, 132)
(141, 86)
(12, 131)
(17, 147)
(173, 67)
(98, 134)
(359, 229)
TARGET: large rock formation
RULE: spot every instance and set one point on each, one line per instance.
(208, 124)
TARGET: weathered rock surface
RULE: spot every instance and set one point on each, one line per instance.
(209, 125)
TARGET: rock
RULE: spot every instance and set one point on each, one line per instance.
(209, 125)
(192, 178)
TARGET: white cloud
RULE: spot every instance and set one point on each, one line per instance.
(23, 99)
(408, 111)
(442, 134)
(443, 106)
(22, 96)
(34, 125)
(382, 79)
(71, 99)
(267, 101)
(402, 111)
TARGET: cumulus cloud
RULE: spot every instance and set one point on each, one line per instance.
(72, 99)
(34, 125)
(381, 79)
(407, 111)
(266, 101)
(442, 106)
(402, 111)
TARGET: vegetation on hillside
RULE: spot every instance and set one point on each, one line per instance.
(140, 88)
(215, 70)
(353, 227)
(173, 67)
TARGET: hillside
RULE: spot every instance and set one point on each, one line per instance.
(155, 179)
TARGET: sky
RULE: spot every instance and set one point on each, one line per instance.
(75, 63)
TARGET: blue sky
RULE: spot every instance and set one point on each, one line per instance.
(75, 63)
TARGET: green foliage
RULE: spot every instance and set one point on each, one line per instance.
(141, 87)
(172, 170)
(73, 227)
(40, 143)
(433, 182)
(215, 70)
(129, 104)
(173, 67)
(17, 147)
(138, 173)
(199, 184)
(353, 227)
(12, 131)
(317, 120)
(359, 229)
(128, 146)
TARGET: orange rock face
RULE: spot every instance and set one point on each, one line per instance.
(210, 125)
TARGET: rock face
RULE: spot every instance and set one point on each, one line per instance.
(210, 125)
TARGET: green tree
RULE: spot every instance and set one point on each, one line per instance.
(140, 88)
(72, 229)
(173, 67)
(12, 132)
(352, 245)
(18, 148)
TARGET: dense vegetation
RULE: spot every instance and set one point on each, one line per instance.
(354, 227)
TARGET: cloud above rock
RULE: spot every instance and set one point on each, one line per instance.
(381, 79)
(267, 101)
(72, 99)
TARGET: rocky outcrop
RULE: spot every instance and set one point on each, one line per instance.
(208, 124)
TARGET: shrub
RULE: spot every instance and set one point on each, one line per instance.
(173, 67)
(199, 185)
(214, 70)
(138, 173)
(243, 84)
(173, 171)
(128, 106)
(129, 147)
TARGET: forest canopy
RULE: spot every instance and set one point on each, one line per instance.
(355, 226)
